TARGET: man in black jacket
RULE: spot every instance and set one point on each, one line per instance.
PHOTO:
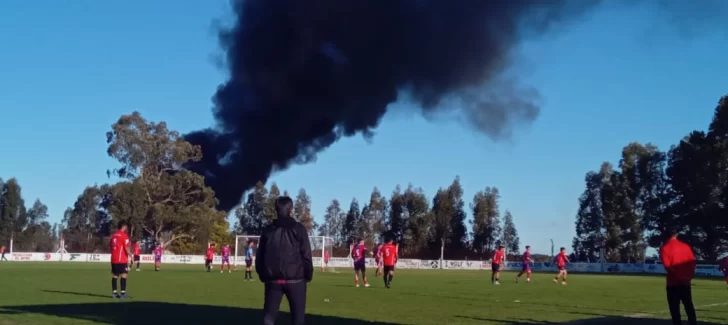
(284, 264)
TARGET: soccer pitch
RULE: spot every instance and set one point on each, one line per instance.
(79, 293)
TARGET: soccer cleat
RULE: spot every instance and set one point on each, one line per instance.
(366, 285)
(115, 295)
(563, 283)
(556, 281)
(516, 279)
(124, 296)
(138, 270)
(357, 285)
(528, 280)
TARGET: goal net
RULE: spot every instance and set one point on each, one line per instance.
(323, 253)
(321, 250)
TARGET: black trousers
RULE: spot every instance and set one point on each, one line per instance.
(676, 295)
(295, 294)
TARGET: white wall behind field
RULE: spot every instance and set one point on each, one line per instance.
(342, 262)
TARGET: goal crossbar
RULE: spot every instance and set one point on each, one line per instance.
(321, 247)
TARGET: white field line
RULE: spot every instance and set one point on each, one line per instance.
(663, 311)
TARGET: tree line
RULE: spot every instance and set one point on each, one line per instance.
(422, 226)
(28, 228)
(166, 203)
(628, 207)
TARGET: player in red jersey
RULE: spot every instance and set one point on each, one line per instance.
(526, 265)
(137, 254)
(358, 254)
(723, 267)
(327, 256)
(498, 258)
(120, 253)
(561, 260)
(209, 255)
(389, 260)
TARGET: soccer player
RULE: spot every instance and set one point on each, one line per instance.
(158, 257)
(496, 263)
(327, 256)
(137, 253)
(389, 260)
(561, 260)
(724, 268)
(526, 267)
(120, 253)
(2, 251)
(378, 258)
(249, 256)
(209, 255)
(358, 254)
(225, 253)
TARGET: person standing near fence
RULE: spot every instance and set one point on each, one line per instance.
(284, 264)
(679, 262)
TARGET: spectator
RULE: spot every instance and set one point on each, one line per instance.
(679, 262)
(284, 264)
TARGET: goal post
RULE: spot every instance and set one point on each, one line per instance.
(321, 250)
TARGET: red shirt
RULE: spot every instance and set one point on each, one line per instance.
(119, 242)
(498, 257)
(679, 262)
(137, 250)
(561, 259)
(389, 255)
(358, 253)
(210, 253)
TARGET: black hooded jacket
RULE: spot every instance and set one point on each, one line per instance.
(284, 252)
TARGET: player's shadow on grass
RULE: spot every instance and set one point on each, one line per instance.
(155, 313)
(77, 293)
(603, 320)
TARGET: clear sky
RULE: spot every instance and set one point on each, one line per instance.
(69, 69)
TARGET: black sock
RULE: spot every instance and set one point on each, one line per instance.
(138, 265)
(391, 276)
(113, 284)
(123, 285)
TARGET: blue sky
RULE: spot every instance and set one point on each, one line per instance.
(69, 69)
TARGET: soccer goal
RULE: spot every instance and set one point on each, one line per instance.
(321, 249)
(241, 244)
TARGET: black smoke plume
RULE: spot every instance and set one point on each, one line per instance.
(304, 73)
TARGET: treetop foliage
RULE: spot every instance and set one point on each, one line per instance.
(626, 209)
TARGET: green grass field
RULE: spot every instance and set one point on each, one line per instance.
(79, 293)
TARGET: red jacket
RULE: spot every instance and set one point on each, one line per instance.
(679, 262)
